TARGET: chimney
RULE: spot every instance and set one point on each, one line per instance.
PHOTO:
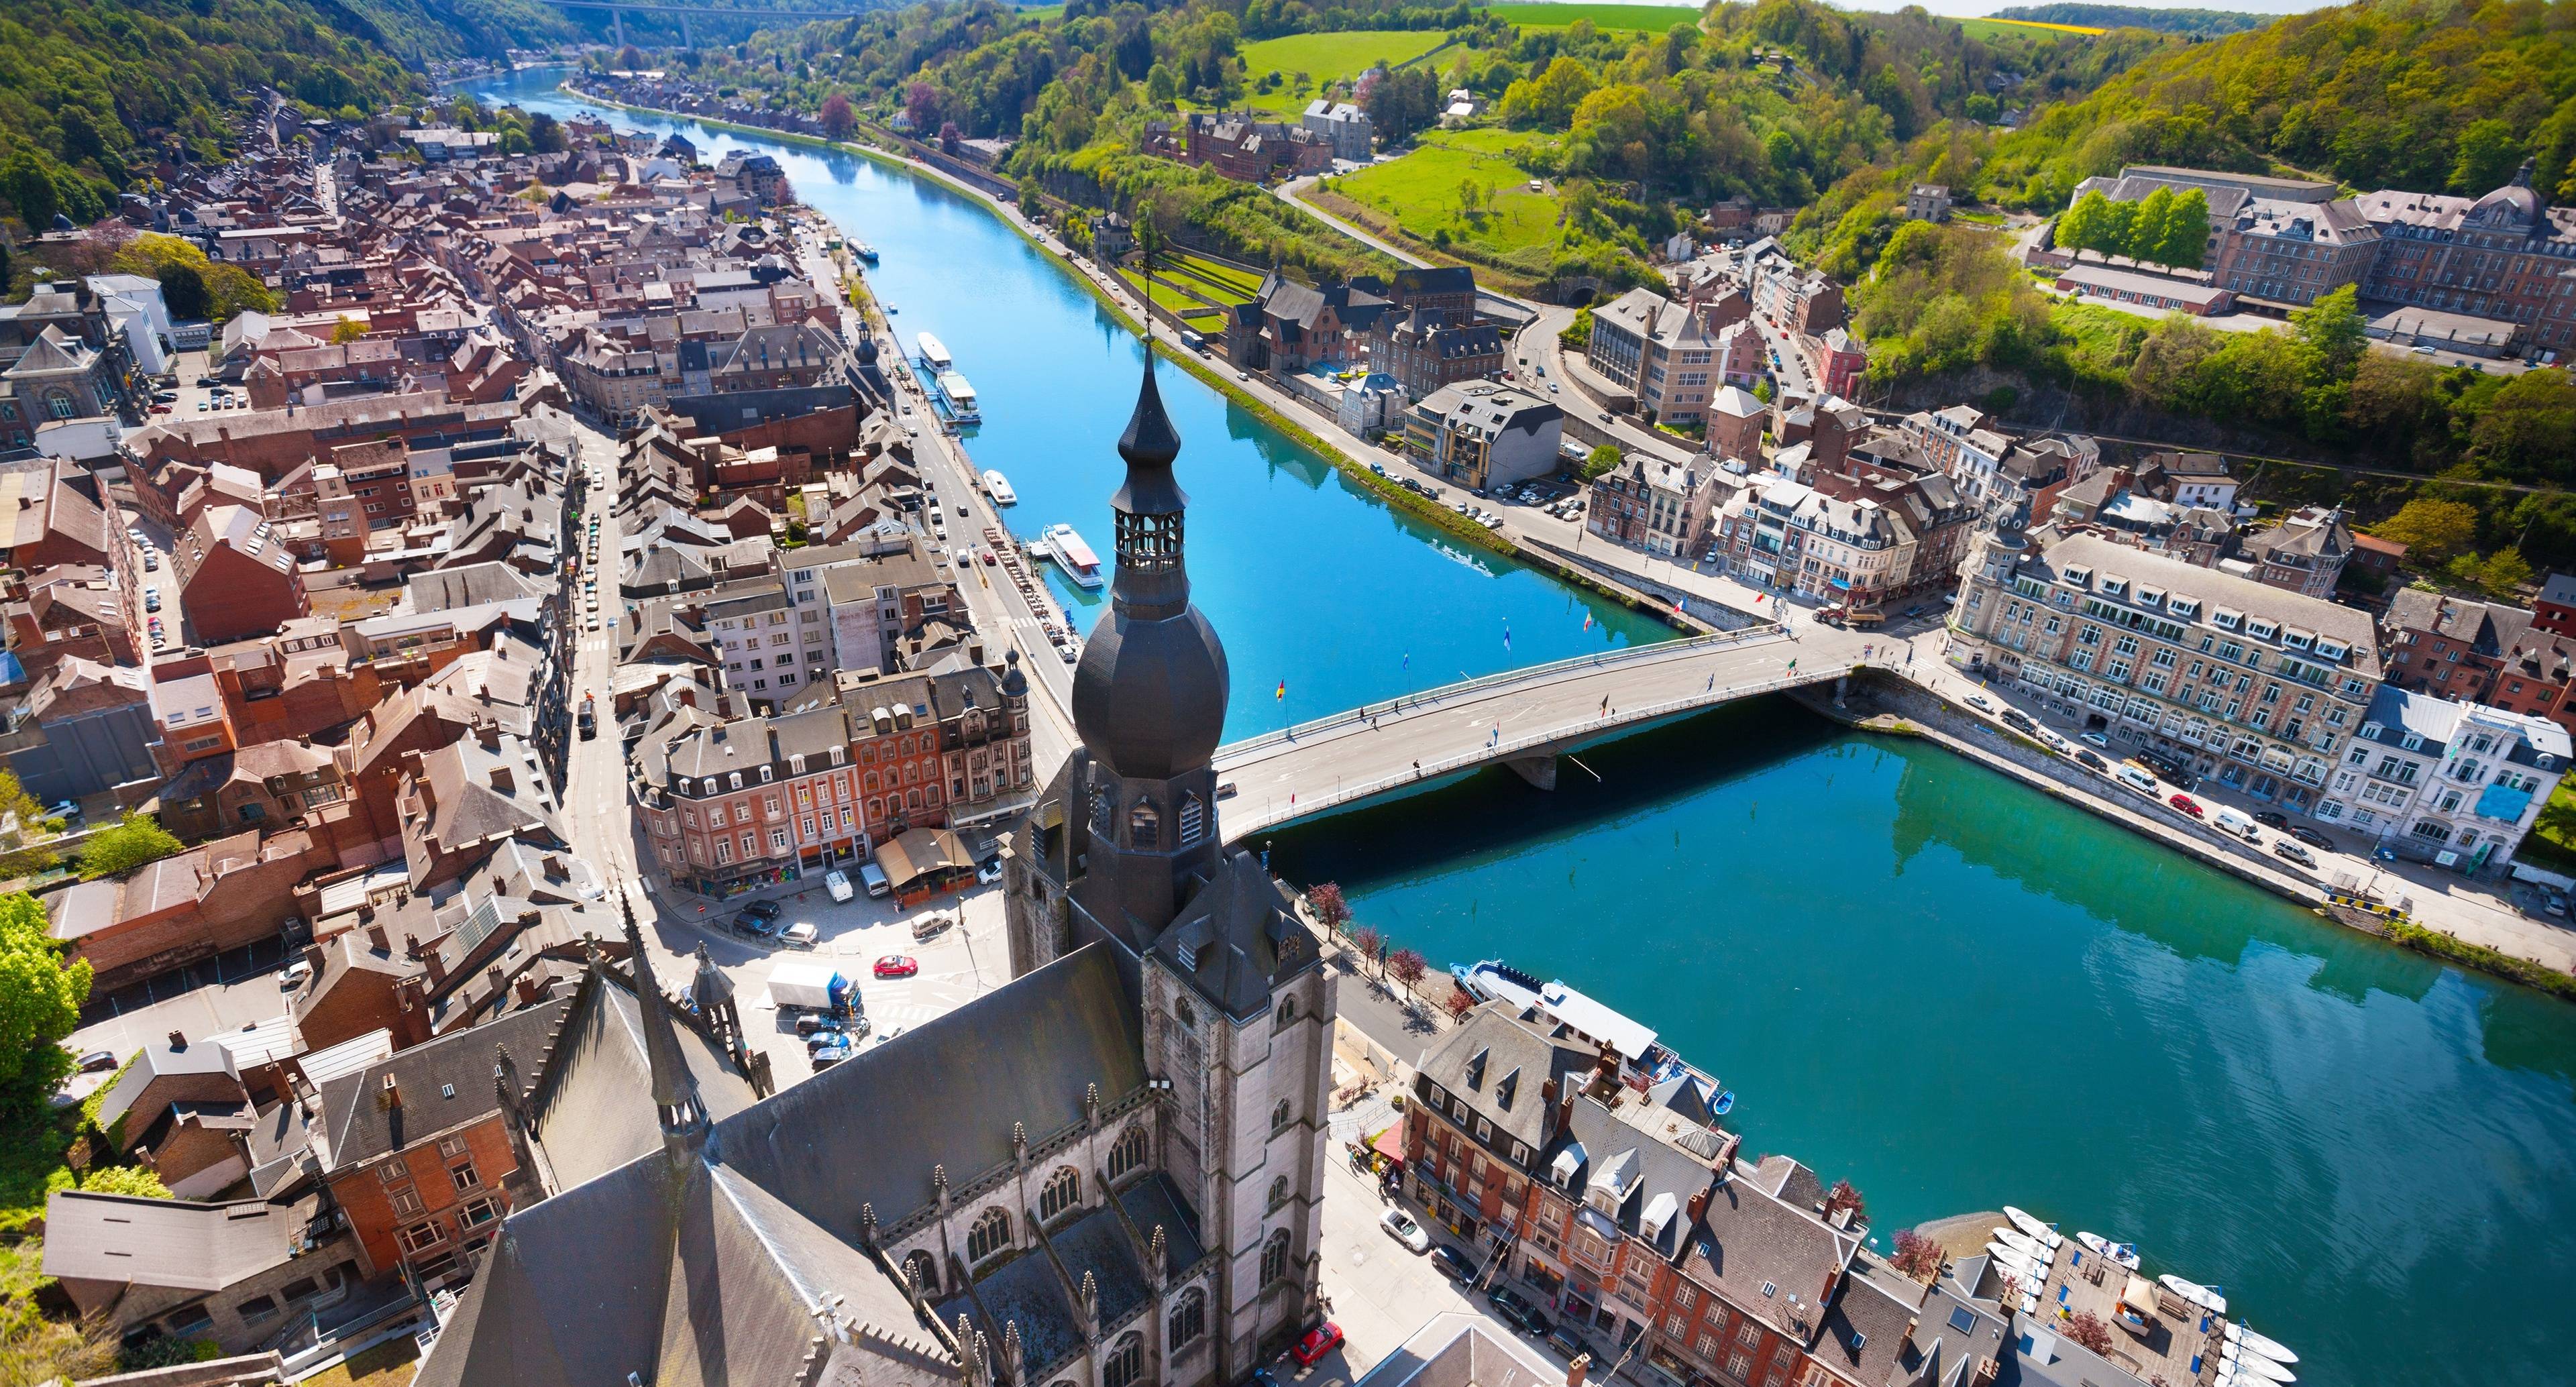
(502, 781)
(1698, 1204)
(313, 956)
(1577, 1370)
(391, 1094)
(497, 978)
(178, 1040)
(376, 939)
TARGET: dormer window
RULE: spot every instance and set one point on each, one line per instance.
(2332, 650)
(765, 775)
(707, 786)
(2151, 597)
(796, 765)
(2261, 630)
(2185, 607)
(2298, 640)
(733, 779)
(2078, 576)
(2114, 587)
(2225, 619)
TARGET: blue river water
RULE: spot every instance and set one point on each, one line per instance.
(1915, 974)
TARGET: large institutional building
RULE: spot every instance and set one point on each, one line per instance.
(1107, 1173)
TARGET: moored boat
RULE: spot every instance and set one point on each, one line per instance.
(2125, 1254)
(933, 352)
(2268, 1348)
(2259, 1369)
(959, 397)
(864, 251)
(1061, 544)
(998, 487)
(2207, 1298)
(2033, 1226)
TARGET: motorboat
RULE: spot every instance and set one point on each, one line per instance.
(2207, 1298)
(2125, 1254)
(2023, 1221)
(1725, 1104)
(864, 251)
(959, 396)
(2256, 1343)
(1061, 544)
(998, 487)
(2022, 1243)
(934, 353)
(2257, 1365)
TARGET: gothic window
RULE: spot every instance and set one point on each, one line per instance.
(1104, 808)
(1278, 1195)
(924, 1270)
(1143, 826)
(1184, 1013)
(1063, 1191)
(1287, 1012)
(1126, 1365)
(1189, 1318)
(1280, 1115)
(1274, 1259)
(991, 1234)
(1193, 820)
(1129, 1152)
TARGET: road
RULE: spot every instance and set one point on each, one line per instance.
(1290, 193)
(1536, 348)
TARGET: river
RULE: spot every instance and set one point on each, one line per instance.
(1915, 974)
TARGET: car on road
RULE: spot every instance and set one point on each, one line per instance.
(2096, 739)
(97, 1061)
(1978, 700)
(294, 975)
(1318, 1341)
(989, 872)
(152, 601)
(2185, 803)
(1400, 1226)
(897, 966)
(760, 918)
(2311, 837)
(801, 935)
(1517, 1311)
(2091, 762)
(837, 882)
(2272, 818)
(2016, 718)
(1564, 1340)
(2288, 851)
(1452, 1263)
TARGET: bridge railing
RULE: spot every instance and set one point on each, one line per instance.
(1527, 674)
(1273, 813)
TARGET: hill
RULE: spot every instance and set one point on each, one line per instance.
(2207, 23)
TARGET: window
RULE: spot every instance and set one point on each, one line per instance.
(1128, 1153)
(258, 1307)
(405, 1200)
(1143, 826)
(1287, 1012)
(923, 1269)
(475, 1213)
(991, 1234)
(1126, 1363)
(1278, 1194)
(1063, 1191)
(464, 1174)
(1274, 1259)
(1281, 1116)
(420, 1237)
(1189, 1318)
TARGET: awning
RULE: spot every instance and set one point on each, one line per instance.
(1390, 1143)
(919, 852)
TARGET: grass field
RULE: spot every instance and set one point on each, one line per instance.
(1991, 28)
(1419, 194)
(389, 1364)
(1326, 58)
(1199, 313)
(1212, 281)
(1651, 17)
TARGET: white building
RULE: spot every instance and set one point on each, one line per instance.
(2457, 784)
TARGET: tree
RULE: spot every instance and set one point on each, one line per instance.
(921, 103)
(2431, 530)
(132, 1181)
(183, 292)
(630, 58)
(2527, 429)
(1578, 334)
(2334, 330)
(2146, 231)
(1458, 1003)
(2082, 226)
(546, 134)
(2087, 1328)
(1549, 98)
(1407, 967)
(2484, 158)
(347, 330)
(1332, 909)
(40, 1002)
(135, 840)
(2185, 242)
(1032, 206)
(1916, 1255)
(1369, 944)
(1603, 461)
(838, 119)
(1842, 1196)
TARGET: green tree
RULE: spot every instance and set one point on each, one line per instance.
(2484, 158)
(1603, 460)
(2084, 224)
(40, 1002)
(2333, 329)
(2527, 428)
(2184, 241)
(1548, 99)
(183, 291)
(1577, 335)
(546, 134)
(2145, 238)
(134, 841)
(2431, 530)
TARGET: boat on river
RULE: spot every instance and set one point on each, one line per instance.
(2254, 1365)
(2206, 1297)
(933, 353)
(864, 251)
(2239, 1334)
(1061, 544)
(959, 397)
(998, 487)
(2126, 1254)
(2044, 1234)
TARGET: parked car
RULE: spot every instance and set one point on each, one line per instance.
(2185, 803)
(802, 935)
(1564, 1340)
(2016, 718)
(1318, 1341)
(294, 975)
(1978, 700)
(897, 966)
(990, 872)
(837, 882)
(815, 1023)
(1400, 1226)
(2272, 818)
(829, 1055)
(2556, 904)
(758, 919)
(2091, 762)
(1452, 1263)
(97, 1061)
(1516, 1310)
(2096, 739)
(2289, 851)
(2311, 837)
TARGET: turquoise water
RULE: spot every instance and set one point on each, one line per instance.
(1915, 974)
(1309, 578)
(1958, 993)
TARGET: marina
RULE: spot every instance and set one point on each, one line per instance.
(1073, 557)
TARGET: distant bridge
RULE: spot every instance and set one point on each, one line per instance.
(1523, 718)
(618, 11)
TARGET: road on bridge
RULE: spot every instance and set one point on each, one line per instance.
(1529, 713)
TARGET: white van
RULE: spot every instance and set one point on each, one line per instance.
(2230, 821)
(874, 879)
(2136, 779)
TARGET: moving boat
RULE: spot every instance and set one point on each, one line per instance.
(2257, 1344)
(933, 353)
(2033, 1227)
(998, 487)
(2126, 1254)
(2200, 1295)
(1061, 544)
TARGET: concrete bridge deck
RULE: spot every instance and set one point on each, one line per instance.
(1523, 718)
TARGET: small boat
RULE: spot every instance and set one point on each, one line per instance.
(2207, 1298)
(2260, 1369)
(2256, 1343)
(2126, 1254)
(1725, 1104)
(998, 487)
(2020, 1264)
(2022, 1243)
(2033, 1227)
(864, 251)
(1061, 544)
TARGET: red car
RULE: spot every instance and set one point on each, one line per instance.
(2186, 804)
(1320, 1340)
(896, 966)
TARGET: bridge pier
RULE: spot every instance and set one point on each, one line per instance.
(1842, 685)
(617, 18)
(685, 40)
(1539, 770)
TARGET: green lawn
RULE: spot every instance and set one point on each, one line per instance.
(1326, 58)
(1419, 193)
(1651, 17)
(1200, 313)
(1212, 281)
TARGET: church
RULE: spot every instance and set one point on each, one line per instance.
(1106, 1173)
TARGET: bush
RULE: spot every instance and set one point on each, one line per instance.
(136, 840)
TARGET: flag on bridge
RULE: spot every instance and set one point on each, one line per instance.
(1283, 691)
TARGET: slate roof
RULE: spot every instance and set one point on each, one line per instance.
(361, 1127)
(1237, 934)
(175, 1243)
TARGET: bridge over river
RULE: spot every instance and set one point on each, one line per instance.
(1523, 718)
